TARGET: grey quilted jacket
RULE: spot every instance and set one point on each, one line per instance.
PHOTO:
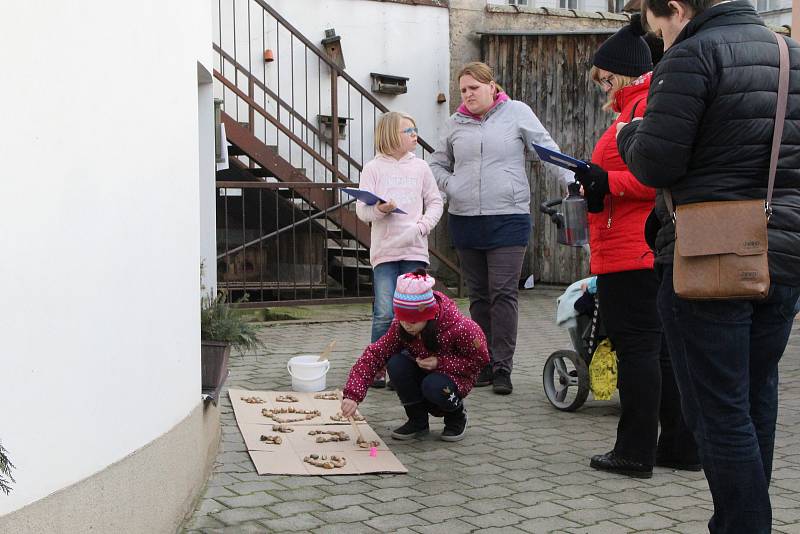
(480, 164)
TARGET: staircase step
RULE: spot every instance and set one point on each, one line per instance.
(350, 262)
(346, 244)
(234, 150)
(261, 172)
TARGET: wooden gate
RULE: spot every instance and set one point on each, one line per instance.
(550, 72)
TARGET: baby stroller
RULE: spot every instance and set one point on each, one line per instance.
(565, 376)
(566, 372)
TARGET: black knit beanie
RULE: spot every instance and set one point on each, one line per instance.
(626, 52)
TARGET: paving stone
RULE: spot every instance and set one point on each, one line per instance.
(388, 523)
(438, 514)
(389, 494)
(302, 494)
(345, 528)
(202, 522)
(543, 509)
(290, 508)
(502, 518)
(337, 502)
(217, 491)
(207, 506)
(345, 515)
(448, 498)
(604, 527)
(448, 526)
(647, 522)
(245, 488)
(299, 522)
(248, 501)
(546, 525)
(353, 488)
(241, 515)
(397, 506)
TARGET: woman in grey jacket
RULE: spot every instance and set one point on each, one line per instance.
(480, 165)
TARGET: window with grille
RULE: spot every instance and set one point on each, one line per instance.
(568, 4)
(518, 2)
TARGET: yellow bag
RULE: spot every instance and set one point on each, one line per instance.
(603, 371)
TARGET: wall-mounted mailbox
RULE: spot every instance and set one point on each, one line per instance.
(333, 47)
(388, 84)
(325, 121)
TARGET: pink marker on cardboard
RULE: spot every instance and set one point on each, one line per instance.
(373, 452)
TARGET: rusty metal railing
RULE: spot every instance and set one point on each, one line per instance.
(275, 243)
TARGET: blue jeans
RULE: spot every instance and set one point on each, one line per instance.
(384, 281)
(725, 356)
(415, 385)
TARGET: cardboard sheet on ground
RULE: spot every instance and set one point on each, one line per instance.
(252, 413)
(301, 442)
(286, 458)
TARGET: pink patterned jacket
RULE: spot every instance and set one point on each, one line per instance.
(462, 352)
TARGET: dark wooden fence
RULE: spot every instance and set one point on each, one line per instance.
(550, 72)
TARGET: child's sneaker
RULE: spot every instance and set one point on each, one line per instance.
(410, 430)
(417, 424)
(455, 426)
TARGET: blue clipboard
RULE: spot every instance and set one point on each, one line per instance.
(557, 158)
(367, 198)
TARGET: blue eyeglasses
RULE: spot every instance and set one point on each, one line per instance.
(410, 131)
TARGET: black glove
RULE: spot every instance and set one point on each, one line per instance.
(595, 186)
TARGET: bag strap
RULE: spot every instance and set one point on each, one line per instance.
(633, 111)
(777, 132)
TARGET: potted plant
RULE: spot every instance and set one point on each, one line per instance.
(5, 471)
(220, 329)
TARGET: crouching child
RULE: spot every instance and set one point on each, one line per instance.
(433, 355)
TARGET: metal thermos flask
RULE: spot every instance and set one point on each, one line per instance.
(575, 228)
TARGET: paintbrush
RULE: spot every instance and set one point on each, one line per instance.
(352, 422)
(327, 351)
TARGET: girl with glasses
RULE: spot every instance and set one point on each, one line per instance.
(399, 241)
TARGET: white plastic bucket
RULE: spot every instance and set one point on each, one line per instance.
(308, 374)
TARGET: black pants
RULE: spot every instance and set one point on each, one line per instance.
(647, 389)
(415, 385)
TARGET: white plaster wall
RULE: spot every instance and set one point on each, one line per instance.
(100, 232)
(388, 38)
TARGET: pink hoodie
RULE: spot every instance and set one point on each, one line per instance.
(410, 183)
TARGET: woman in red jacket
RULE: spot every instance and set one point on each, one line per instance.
(433, 355)
(618, 207)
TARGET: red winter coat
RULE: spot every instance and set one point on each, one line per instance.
(462, 352)
(616, 236)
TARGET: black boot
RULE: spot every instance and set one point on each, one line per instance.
(614, 463)
(417, 424)
(501, 382)
(455, 425)
(485, 377)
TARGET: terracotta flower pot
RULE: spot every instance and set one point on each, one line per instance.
(214, 363)
(268, 56)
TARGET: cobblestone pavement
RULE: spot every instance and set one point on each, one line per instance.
(522, 468)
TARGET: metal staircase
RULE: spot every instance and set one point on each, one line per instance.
(300, 129)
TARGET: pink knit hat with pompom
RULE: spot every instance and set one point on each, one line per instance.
(413, 297)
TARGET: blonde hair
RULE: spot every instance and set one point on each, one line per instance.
(617, 82)
(480, 71)
(387, 133)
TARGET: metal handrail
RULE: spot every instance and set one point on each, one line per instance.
(288, 107)
(341, 72)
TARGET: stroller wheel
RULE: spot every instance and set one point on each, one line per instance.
(566, 380)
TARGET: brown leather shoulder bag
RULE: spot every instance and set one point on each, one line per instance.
(721, 247)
